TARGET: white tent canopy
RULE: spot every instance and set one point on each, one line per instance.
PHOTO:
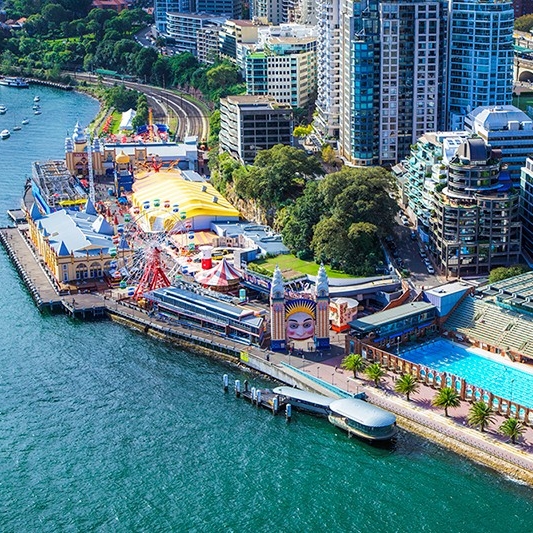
(127, 117)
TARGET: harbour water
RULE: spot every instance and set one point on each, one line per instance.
(102, 429)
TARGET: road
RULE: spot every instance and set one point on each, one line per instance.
(192, 121)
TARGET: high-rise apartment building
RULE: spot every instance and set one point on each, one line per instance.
(326, 122)
(480, 65)
(507, 129)
(285, 69)
(407, 67)
(476, 226)
(391, 67)
(231, 8)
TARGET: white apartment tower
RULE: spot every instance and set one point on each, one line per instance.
(326, 122)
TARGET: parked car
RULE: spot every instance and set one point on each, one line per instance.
(405, 221)
(413, 235)
(431, 270)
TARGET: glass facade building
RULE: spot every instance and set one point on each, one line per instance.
(481, 57)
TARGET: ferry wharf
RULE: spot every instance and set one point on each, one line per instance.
(320, 373)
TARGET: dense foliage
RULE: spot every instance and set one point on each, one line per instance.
(501, 273)
(67, 35)
(277, 176)
(524, 23)
(340, 219)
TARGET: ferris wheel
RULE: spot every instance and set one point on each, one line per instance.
(151, 247)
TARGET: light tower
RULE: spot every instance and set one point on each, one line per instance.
(322, 309)
(92, 194)
(278, 341)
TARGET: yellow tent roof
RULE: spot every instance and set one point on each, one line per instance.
(194, 198)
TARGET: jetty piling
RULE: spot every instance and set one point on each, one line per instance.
(238, 388)
(288, 412)
(225, 382)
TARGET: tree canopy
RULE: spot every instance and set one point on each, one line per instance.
(340, 219)
(524, 23)
(501, 273)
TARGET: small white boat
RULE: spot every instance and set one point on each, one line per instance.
(17, 128)
(36, 106)
(25, 121)
(3, 109)
(37, 112)
(36, 98)
(4, 134)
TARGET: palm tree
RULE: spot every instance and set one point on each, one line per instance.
(353, 362)
(375, 372)
(512, 428)
(480, 414)
(446, 397)
(406, 384)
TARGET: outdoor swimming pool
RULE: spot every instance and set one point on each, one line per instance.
(468, 363)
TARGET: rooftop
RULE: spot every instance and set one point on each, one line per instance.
(368, 323)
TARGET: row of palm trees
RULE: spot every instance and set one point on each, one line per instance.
(480, 414)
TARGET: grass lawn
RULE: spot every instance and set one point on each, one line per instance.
(288, 263)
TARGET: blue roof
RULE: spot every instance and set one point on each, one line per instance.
(77, 233)
(362, 412)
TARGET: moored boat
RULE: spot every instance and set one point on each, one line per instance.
(362, 419)
(37, 112)
(36, 98)
(304, 400)
(17, 128)
(3, 109)
(25, 121)
(4, 134)
(11, 81)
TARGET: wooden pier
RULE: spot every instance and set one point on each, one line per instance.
(44, 290)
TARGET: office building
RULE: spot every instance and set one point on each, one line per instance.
(507, 129)
(252, 123)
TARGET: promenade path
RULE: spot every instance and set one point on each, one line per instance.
(324, 366)
(420, 410)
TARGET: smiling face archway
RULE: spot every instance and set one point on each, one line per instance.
(300, 319)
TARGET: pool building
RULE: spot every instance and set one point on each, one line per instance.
(479, 338)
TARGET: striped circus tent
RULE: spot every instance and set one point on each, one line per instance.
(223, 277)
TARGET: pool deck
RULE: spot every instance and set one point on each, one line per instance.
(420, 411)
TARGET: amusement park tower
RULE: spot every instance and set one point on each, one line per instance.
(278, 341)
(322, 309)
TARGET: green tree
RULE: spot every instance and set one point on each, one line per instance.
(300, 220)
(446, 397)
(512, 428)
(501, 273)
(480, 414)
(353, 362)
(524, 23)
(375, 372)
(407, 384)
(328, 154)
(302, 131)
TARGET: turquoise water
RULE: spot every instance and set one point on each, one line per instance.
(102, 429)
(498, 378)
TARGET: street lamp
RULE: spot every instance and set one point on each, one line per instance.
(318, 372)
(332, 377)
(398, 347)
